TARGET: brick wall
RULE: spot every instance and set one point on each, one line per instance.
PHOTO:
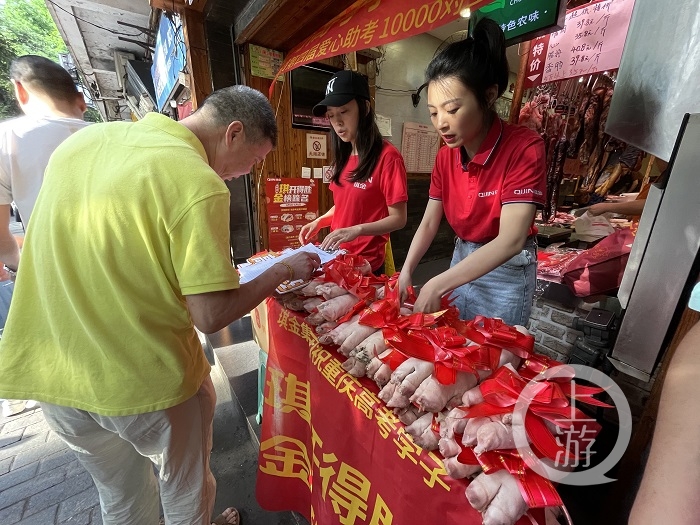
(551, 322)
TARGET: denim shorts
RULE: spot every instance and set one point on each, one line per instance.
(505, 292)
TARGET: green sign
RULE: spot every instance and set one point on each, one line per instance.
(524, 19)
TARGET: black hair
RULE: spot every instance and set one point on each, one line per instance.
(44, 75)
(368, 142)
(245, 104)
(478, 62)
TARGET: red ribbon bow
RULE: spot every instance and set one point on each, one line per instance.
(536, 490)
(548, 401)
(343, 270)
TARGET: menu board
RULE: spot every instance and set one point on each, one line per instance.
(291, 203)
(265, 62)
(419, 147)
(591, 41)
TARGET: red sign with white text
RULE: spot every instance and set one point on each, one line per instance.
(371, 23)
(291, 203)
(592, 41)
(331, 450)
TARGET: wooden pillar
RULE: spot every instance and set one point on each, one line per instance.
(197, 56)
(518, 92)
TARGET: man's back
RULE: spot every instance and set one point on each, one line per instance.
(129, 218)
(26, 144)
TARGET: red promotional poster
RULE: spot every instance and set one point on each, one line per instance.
(331, 450)
(291, 203)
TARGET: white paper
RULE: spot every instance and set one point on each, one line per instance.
(318, 173)
(384, 125)
(249, 272)
(306, 172)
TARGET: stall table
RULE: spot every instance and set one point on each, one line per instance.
(331, 450)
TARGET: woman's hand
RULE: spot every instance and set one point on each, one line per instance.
(334, 239)
(405, 282)
(428, 300)
(309, 231)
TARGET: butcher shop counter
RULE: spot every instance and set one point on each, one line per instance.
(331, 450)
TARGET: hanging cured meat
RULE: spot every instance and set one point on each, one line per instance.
(555, 172)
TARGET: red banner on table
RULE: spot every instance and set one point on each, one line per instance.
(291, 203)
(332, 451)
(371, 23)
(591, 41)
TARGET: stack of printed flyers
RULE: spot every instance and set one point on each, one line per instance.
(263, 261)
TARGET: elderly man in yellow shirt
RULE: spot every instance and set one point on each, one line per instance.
(127, 253)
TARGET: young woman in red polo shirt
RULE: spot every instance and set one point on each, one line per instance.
(488, 180)
(369, 181)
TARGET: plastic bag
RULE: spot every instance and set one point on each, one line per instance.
(600, 269)
(592, 227)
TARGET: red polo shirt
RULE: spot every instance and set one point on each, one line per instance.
(369, 201)
(509, 167)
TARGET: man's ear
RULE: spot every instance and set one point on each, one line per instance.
(368, 106)
(82, 106)
(20, 92)
(234, 131)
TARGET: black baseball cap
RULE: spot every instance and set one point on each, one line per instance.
(342, 88)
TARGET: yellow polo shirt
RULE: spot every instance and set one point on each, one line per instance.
(130, 219)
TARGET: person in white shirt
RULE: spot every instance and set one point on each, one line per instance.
(53, 110)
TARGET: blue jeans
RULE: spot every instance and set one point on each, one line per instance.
(505, 292)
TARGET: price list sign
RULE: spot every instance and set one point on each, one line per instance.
(291, 203)
(591, 41)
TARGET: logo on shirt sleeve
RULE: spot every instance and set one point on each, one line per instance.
(528, 191)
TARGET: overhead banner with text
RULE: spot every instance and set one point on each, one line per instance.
(371, 23)
(592, 41)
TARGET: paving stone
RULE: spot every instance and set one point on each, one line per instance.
(15, 422)
(5, 465)
(81, 518)
(74, 468)
(80, 504)
(20, 446)
(9, 439)
(62, 457)
(45, 517)
(17, 476)
(33, 486)
(96, 516)
(58, 493)
(11, 514)
(36, 451)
